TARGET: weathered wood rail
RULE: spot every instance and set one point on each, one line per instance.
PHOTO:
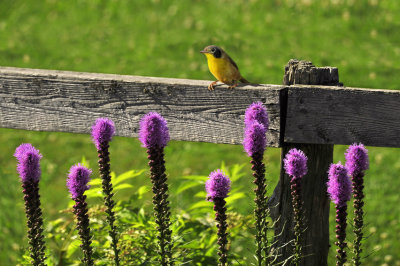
(311, 116)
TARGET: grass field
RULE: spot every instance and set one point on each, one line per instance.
(162, 38)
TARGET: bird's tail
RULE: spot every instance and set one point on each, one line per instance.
(243, 80)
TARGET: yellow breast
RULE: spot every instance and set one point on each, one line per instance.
(222, 69)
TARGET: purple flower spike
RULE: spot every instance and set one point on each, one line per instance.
(254, 138)
(339, 184)
(78, 179)
(256, 112)
(356, 159)
(28, 162)
(102, 131)
(153, 131)
(295, 163)
(218, 185)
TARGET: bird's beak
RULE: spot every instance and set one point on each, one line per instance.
(203, 52)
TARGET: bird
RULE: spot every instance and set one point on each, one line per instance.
(222, 67)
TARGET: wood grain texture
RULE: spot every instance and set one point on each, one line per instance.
(339, 115)
(48, 100)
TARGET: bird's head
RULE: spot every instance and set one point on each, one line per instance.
(212, 50)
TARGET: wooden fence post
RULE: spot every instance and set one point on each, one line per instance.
(316, 202)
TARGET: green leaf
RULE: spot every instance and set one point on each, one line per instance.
(127, 175)
(234, 197)
(95, 182)
(94, 193)
(186, 185)
(201, 204)
(202, 178)
(201, 194)
(142, 190)
(72, 247)
(84, 162)
(122, 186)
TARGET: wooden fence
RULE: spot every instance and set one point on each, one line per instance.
(311, 111)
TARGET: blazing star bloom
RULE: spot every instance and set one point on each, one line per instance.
(295, 163)
(28, 162)
(78, 179)
(218, 185)
(339, 184)
(356, 159)
(256, 112)
(102, 131)
(254, 138)
(153, 131)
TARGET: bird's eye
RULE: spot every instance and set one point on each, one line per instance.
(213, 50)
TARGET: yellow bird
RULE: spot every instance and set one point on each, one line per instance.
(222, 67)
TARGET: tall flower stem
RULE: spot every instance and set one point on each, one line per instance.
(295, 164)
(260, 212)
(357, 162)
(339, 189)
(34, 221)
(161, 203)
(29, 171)
(358, 221)
(80, 211)
(220, 217)
(297, 203)
(77, 183)
(102, 132)
(341, 216)
(154, 135)
(217, 187)
(104, 168)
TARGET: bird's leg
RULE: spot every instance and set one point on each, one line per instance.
(212, 85)
(233, 86)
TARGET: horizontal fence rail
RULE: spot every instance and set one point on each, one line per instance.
(49, 100)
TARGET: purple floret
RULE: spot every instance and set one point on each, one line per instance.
(295, 163)
(102, 131)
(256, 112)
(339, 184)
(218, 185)
(28, 162)
(356, 159)
(254, 140)
(78, 179)
(153, 131)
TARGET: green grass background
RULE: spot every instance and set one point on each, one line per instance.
(163, 38)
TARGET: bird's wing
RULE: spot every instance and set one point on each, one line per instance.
(232, 62)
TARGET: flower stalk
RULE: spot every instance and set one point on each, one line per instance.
(77, 183)
(102, 132)
(339, 189)
(29, 171)
(295, 164)
(217, 186)
(254, 143)
(356, 163)
(154, 135)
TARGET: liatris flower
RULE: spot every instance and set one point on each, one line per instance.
(102, 132)
(256, 112)
(217, 186)
(154, 136)
(356, 163)
(254, 143)
(77, 183)
(29, 170)
(339, 189)
(295, 164)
